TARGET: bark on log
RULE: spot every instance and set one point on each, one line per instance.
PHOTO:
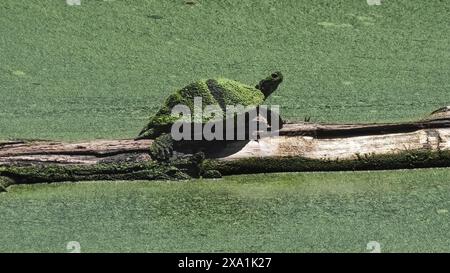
(299, 147)
(30, 152)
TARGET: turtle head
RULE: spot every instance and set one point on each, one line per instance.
(270, 84)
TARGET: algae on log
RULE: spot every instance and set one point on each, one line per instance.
(180, 169)
(299, 147)
(402, 160)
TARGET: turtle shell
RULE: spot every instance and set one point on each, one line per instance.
(216, 92)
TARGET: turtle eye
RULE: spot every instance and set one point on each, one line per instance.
(274, 76)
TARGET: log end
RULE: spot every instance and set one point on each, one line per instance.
(441, 113)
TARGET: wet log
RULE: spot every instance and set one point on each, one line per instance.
(298, 147)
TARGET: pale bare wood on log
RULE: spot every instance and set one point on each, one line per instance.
(54, 152)
(346, 147)
(95, 147)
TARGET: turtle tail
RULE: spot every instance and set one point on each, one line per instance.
(145, 133)
(142, 136)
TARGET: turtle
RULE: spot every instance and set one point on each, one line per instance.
(220, 92)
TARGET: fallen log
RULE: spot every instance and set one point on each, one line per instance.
(298, 147)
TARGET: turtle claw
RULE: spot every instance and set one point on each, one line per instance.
(168, 152)
(212, 174)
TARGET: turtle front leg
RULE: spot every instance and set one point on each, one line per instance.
(162, 148)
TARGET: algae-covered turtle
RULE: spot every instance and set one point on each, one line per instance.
(220, 92)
